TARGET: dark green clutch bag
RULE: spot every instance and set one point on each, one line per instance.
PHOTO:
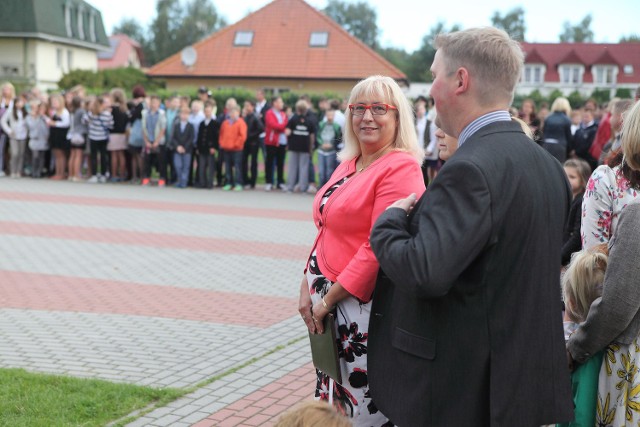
(324, 349)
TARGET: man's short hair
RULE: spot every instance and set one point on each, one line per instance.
(209, 104)
(251, 101)
(493, 59)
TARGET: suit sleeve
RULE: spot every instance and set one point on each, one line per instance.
(359, 276)
(610, 314)
(454, 225)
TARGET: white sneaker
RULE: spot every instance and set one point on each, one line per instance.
(93, 179)
(102, 179)
(2, 174)
(268, 187)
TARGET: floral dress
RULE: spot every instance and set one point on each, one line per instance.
(352, 326)
(607, 194)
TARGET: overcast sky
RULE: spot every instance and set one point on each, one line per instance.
(403, 23)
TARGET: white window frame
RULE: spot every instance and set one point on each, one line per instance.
(69, 60)
(92, 26)
(533, 74)
(571, 74)
(243, 38)
(59, 57)
(319, 39)
(67, 19)
(81, 23)
(605, 74)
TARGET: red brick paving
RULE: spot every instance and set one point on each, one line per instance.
(235, 211)
(36, 291)
(156, 240)
(262, 407)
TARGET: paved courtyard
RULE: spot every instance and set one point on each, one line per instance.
(159, 287)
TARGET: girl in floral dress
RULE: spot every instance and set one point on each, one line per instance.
(379, 165)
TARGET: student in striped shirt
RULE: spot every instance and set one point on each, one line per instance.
(100, 121)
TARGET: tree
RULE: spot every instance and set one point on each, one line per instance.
(580, 33)
(421, 60)
(132, 28)
(176, 27)
(512, 22)
(398, 57)
(630, 38)
(359, 19)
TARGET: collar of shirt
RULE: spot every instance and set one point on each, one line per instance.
(482, 121)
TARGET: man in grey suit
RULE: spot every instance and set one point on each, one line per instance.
(466, 323)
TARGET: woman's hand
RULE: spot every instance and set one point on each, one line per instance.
(305, 304)
(319, 312)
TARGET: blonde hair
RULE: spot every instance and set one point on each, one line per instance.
(312, 414)
(301, 107)
(582, 282)
(119, 98)
(631, 137)
(562, 105)
(525, 127)
(57, 97)
(11, 88)
(383, 89)
(491, 57)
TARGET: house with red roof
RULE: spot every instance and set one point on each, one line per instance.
(287, 45)
(123, 52)
(581, 67)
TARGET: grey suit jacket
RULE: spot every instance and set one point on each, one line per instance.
(614, 317)
(466, 322)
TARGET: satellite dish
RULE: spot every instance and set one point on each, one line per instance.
(189, 56)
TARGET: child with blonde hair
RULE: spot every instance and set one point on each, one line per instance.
(313, 414)
(38, 136)
(581, 285)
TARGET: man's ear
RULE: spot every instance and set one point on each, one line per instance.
(462, 80)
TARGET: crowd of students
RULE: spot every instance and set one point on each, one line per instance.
(187, 142)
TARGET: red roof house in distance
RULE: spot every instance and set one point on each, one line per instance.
(123, 52)
(285, 46)
(580, 66)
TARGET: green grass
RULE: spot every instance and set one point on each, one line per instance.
(29, 399)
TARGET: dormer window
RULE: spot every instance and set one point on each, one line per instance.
(67, 20)
(243, 38)
(319, 39)
(92, 26)
(80, 23)
(533, 73)
(605, 74)
(628, 69)
(571, 73)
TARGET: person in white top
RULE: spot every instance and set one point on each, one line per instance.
(14, 124)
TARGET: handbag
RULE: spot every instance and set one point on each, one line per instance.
(324, 349)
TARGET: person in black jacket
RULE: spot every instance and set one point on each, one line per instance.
(252, 145)
(578, 172)
(182, 145)
(207, 143)
(466, 322)
(584, 136)
(556, 137)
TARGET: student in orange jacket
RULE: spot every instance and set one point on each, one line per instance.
(233, 134)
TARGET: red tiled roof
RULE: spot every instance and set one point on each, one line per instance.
(280, 49)
(118, 55)
(554, 54)
(533, 57)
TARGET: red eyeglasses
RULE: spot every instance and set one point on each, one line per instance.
(377, 109)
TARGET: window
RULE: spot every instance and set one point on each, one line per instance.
(628, 69)
(533, 73)
(571, 74)
(67, 20)
(243, 38)
(59, 57)
(92, 26)
(605, 74)
(80, 24)
(319, 39)
(69, 60)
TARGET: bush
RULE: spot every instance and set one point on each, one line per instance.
(104, 80)
(576, 99)
(624, 93)
(601, 96)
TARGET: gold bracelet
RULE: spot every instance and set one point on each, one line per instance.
(325, 305)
